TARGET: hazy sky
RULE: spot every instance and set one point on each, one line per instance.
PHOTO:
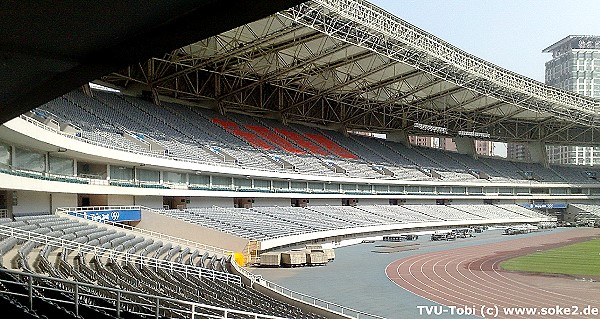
(508, 33)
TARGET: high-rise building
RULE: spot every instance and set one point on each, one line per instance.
(446, 143)
(575, 66)
(518, 151)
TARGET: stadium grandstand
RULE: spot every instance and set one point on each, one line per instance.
(150, 191)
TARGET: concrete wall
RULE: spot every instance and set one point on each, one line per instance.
(420, 201)
(373, 201)
(174, 227)
(210, 201)
(62, 200)
(149, 201)
(324, 201)
(29, 201)
(120, 200)
(466, 202)
(258, 202)
(95, 200)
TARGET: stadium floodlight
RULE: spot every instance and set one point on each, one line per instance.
(474, 134)
(431, 128)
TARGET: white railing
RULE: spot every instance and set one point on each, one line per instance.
(257, 173)
(349, 312)
(78, 212)
(120, 299)
(307, 299)
(119, 256)
(124, 149)
(9, 169)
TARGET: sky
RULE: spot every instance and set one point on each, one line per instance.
(508, 33)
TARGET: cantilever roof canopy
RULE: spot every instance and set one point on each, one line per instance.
(347, 64)
(51, 47)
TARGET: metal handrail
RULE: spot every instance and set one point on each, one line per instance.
(304, 298)
(307, 299)
(351, 313)
(166, 265)
(120, 298)
(174, 239)
(125, 149)
(346, 311)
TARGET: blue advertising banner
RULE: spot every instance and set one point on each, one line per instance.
(549, 205)
(113, 215)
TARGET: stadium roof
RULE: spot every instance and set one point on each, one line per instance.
(347, 64)
(52, 47)
(576, 42)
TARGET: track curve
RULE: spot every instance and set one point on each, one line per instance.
(470, 277)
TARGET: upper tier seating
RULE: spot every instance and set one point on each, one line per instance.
(233, 128)
(263, 144)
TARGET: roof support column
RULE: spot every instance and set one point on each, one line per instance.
(465, 145)
(399, 136)
(537, 149)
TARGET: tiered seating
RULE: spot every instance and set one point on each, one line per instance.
(574, 174)
(150, 123)
(107, 257)
(249, 137)
(408, 174)
(352, 215)
(356, 169)
(262, 223)
(331, 146)
(352, 144)
(399, 214)
(439, 159)
(594, 209)
(488, 211)
(92, 127)
(521, 210)
(241, 222)
(209, 137)
(540, 173)
(299, 215)
(302, 142)
(271, 136)
(443, 212)
(506, 170)
(453, 176)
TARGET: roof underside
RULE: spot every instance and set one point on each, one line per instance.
(346, 64)
(48, 48)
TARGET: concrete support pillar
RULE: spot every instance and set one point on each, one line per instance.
(538, 153)
(465, 145)
(399, 136)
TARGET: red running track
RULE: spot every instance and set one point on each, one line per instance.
(471, 277)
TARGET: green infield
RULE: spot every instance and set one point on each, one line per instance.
(576, 259)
